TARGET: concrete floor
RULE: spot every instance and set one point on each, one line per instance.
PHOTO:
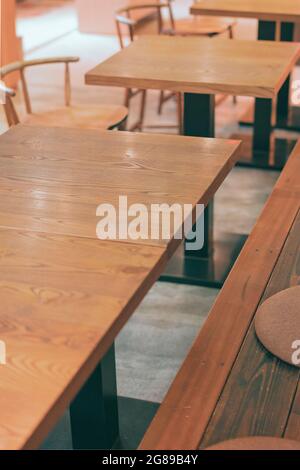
(152, 346)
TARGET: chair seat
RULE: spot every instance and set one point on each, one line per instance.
(202, 25)
(81, 117)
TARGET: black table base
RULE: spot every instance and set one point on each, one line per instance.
(285, 117)
(94, 412)
(209, 266)
(288, 122)
(102, 420)
(263, 150)
(274, 159)
(291, 121)
(208, 272)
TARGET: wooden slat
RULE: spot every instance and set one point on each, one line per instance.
(293, 425)
(185, 413)
(260, 391)
(268, 10)
(200, 65)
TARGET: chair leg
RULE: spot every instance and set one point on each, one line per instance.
(231, 36)
(161, 102)
(122, 126)
(127, 97)
(143, 109)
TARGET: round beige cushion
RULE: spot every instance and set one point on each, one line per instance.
(257, 443)
(277, 325)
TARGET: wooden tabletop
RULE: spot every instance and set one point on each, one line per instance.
(53, 180)
(199, 65)
(268, 10)
(65, 295)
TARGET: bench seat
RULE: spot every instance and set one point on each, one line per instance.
(229, 386)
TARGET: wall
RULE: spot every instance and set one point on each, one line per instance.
(97, 16)
(10, 45)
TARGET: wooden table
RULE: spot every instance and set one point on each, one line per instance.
(201, 68)
(277, 19)
(65, 294)
(269, 10)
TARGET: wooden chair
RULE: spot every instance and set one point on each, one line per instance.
(83, 117)
(131, 21)
(198, 25)
(208, 26)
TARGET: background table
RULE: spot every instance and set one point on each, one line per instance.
(277, 19)
(65, 294)
(201, 68)
(270, 10)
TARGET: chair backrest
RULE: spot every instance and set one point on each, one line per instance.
(5, 100)
(21, 66)
(153, 13)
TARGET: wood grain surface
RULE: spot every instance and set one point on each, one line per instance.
(65, 294)
(261, 389)
(63, 301)
(53, 180)
(268, 10)
(200, 65)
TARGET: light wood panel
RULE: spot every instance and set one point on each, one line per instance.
(272, 10)
(53, 180)
(199, 65)
(63, 301)
(190, 403)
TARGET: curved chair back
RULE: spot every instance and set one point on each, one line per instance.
(21, 66)
(153, 12)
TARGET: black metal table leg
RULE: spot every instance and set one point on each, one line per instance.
(211, 265)
(94, 412)
(285, 116)
(263, 150)
(102, 420)
(266, 32)
(199, 120)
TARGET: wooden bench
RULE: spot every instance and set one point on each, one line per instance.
(229, 386)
